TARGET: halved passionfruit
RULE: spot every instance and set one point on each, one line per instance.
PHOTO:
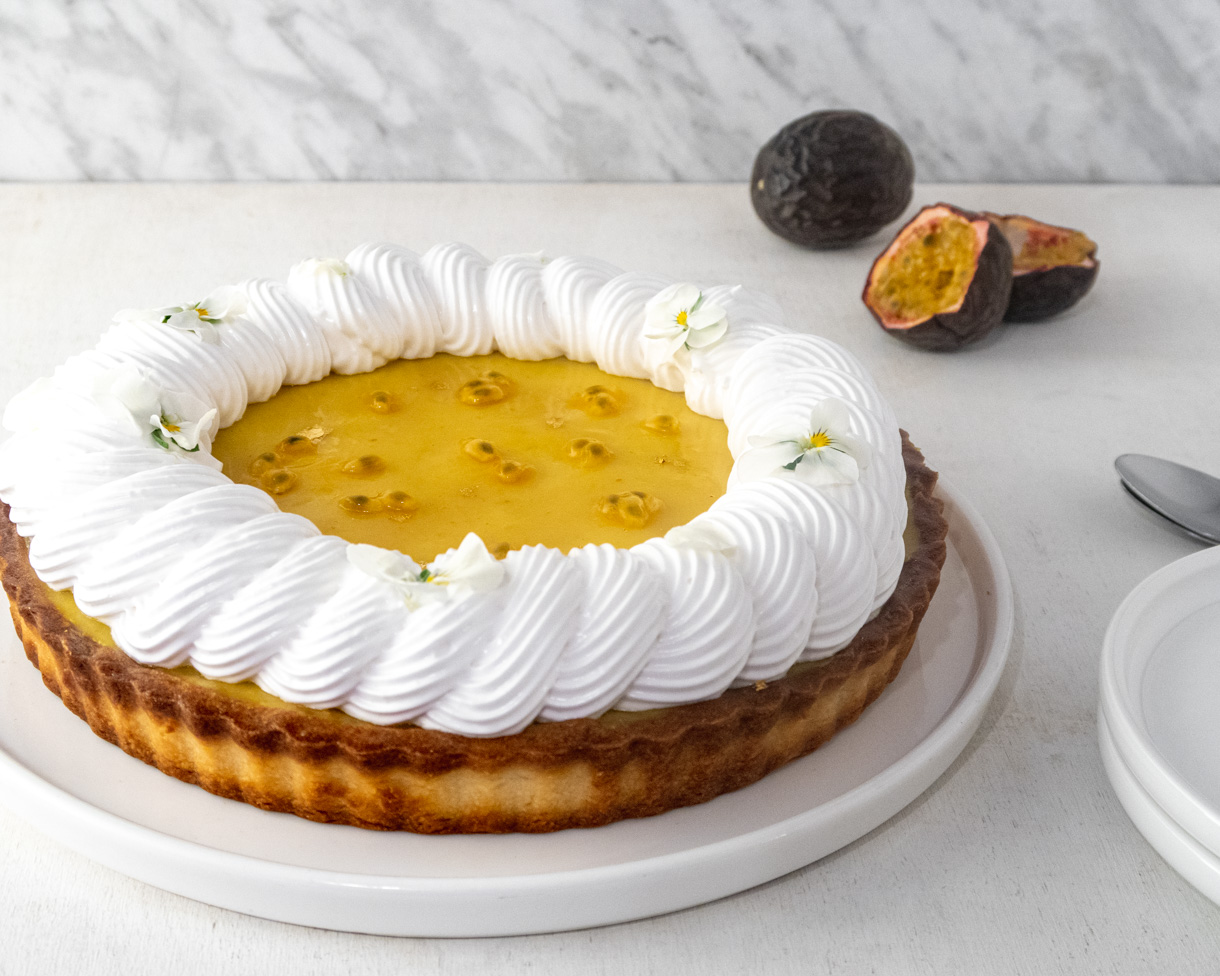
(1052, 267)
(944, 281)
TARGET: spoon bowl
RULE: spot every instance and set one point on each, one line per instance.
(1188, 498)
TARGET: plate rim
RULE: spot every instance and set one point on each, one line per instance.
(1177, 847)
(511, 904)
(1128, 733)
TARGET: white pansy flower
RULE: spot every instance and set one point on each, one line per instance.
(122, 398)
(391, 567)
(821, 453)
(336, 266)
(680, 317)
(469, 568)
(175, 421)
(455, 574)
(203, 319)
(704, 535)
(173, 428)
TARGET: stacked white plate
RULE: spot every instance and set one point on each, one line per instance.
(1159, 718)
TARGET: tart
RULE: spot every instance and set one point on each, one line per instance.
(203, 629)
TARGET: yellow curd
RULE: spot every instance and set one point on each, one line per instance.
(416, 454)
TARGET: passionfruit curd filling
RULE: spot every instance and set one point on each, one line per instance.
(414, 455)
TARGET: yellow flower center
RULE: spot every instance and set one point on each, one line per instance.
(820, 439)
(681, 319)
(203, 312)
(171, 427)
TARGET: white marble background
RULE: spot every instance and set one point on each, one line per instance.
(982, 90)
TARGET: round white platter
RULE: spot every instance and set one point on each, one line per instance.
(95, 799)
(1180, 850)
(1160, 671)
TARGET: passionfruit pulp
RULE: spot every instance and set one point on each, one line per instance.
(832, 178)
(1052, 267)
(944, 281)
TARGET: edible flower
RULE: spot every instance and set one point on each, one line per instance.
(702, 534)
(202, 319)
(821, 453)
(681, 317)
(176, 422)
(335, 266)
(455, 574)
(170, 430)
(468, 567)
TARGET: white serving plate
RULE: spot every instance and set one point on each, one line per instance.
(1160, 691)
(1180, 850)
(114, 809)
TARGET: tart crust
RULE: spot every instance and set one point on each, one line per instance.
(551, 776)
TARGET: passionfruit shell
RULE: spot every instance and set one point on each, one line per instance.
(832, 178)
(962, 312)
(1053, 267)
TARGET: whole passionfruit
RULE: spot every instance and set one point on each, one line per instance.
(1052, 267)
(832, 178)
(944, 280)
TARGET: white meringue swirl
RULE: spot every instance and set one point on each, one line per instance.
(186, 566)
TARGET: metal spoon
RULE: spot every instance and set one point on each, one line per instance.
(1188, 498)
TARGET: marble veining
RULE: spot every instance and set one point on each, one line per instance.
(684, 90)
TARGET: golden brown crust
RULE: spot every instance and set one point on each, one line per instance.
(578, 773)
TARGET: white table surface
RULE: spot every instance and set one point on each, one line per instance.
(1019, 859)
